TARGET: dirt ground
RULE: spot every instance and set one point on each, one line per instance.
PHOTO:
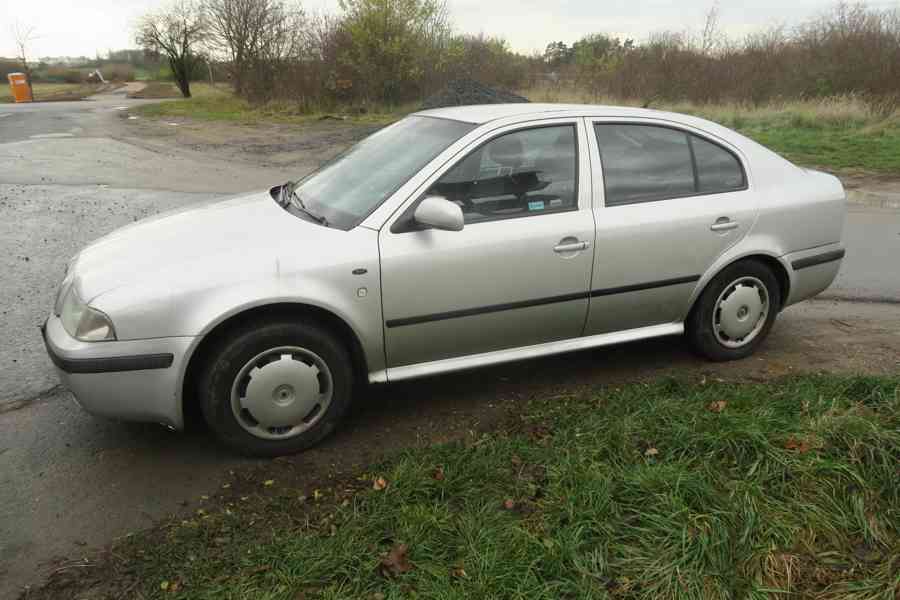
(301, 147)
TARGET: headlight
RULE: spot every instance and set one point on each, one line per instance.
(83, 322)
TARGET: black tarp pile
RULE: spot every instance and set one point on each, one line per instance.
(461, 92)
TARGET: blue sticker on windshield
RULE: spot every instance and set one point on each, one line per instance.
(537, 205)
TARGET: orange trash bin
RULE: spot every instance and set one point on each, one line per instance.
(19, 84)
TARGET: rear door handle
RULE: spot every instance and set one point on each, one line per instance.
(724, 224)
(570, 247)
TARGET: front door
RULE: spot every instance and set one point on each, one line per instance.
(517, 274)
(673, 201)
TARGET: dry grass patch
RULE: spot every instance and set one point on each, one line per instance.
(55, 92)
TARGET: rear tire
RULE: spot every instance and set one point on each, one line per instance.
(735, 312)
(276, 387)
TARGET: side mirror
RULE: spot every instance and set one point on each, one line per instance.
(439, 213)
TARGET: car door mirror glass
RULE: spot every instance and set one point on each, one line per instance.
(439, 213)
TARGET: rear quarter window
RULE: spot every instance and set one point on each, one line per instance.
(718, 170)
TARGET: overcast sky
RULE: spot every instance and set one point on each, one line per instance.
(84, 27)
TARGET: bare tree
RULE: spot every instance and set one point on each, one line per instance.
(711, 35)
(236, 27)
(254, 36)
(24, 35)
(178, 32)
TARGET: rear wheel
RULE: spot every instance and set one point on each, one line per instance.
(735, 312)
(277, 387)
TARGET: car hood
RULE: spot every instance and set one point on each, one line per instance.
(235, 230)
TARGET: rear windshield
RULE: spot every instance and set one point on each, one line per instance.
(349, 188)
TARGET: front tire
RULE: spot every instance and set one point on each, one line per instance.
(735, 312)
(276, 387)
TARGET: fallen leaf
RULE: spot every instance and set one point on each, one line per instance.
(793, 443)
(269, 482)
(379, 484)
(540, 433)
(458, 572)
(438, 474)
(717, 406)
(396, 562)
(509, 504)
(651, 452)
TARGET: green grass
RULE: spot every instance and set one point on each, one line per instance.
(838, 134)
(53, 92)
(789, 489)
(220, 104)
(841, 134)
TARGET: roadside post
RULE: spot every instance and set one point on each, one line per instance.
(18, 82)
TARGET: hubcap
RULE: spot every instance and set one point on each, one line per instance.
(741, 312)
(282, 392)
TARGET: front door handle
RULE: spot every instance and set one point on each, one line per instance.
(570, 247)
(724, 224)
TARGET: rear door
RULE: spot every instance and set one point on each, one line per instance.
(667, 203)
(518, 273)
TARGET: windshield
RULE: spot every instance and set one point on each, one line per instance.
(348, 189)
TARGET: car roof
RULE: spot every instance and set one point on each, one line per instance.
(484, 113)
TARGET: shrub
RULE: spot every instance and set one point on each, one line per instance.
(62, 75)
(118, 72)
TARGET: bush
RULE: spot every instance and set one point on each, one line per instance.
(61, 75)
(7, 66)
(118, 72)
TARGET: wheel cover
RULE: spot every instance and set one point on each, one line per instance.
(741, 312)
(282, 392)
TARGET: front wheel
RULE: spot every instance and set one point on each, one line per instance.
(277, 387)
(735, 312)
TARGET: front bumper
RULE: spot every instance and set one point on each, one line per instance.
(132, 380)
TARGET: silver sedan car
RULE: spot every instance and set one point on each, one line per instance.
(452, 239)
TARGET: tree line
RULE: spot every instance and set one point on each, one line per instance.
(395, 51)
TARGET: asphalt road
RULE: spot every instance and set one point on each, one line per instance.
(70, 482)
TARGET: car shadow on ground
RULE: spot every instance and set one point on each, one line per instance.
(390, 417)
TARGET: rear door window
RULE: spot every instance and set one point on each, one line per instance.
(646, 163)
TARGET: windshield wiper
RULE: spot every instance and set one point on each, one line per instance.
(288, 196)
